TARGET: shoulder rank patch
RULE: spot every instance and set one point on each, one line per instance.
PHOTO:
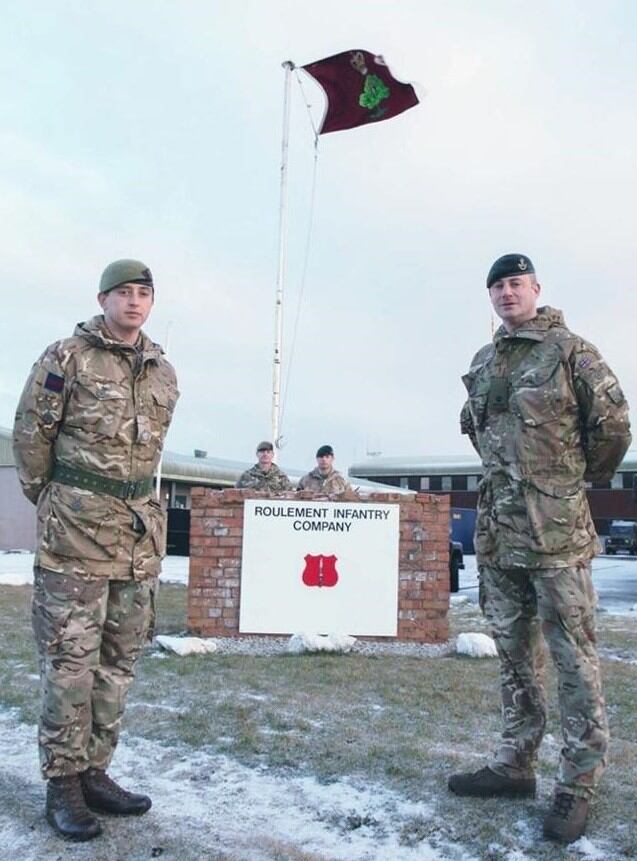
(585, 362)
(54, 382)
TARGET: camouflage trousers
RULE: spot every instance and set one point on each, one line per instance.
(520, 606)
(89, 634)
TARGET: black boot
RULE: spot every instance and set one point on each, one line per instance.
(66, 810)
(103, 794)
(486, 784)
(566, 821)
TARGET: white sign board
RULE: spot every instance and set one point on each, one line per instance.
(319, 567)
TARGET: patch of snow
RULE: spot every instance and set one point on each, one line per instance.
(456, 600)
(203, 802)
(184, 646)
(476, 645)
(305, 642)
(588, 850)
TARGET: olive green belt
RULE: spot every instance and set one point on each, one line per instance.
(100, 483)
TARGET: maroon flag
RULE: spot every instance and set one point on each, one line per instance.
(360, 89)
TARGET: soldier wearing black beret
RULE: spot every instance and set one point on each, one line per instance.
(546, 414)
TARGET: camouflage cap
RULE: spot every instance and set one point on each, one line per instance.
(124, 272)
(509, 265)
(265, 446)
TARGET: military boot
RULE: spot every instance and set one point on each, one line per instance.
(486, 784)
(566, 820)
(103, 794)
(66, 809)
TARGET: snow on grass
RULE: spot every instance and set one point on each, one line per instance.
(207, 802)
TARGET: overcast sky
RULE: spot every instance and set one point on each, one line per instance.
(153, 130)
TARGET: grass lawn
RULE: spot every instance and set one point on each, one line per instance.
(401, 722)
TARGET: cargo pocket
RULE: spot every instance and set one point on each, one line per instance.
(97, 406)
(158, 520)
(537, 392)
(81, 525)
(555, 515)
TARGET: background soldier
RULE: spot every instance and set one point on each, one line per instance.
(265, 475)
(324, 479)
(88, 435)
(545, 414)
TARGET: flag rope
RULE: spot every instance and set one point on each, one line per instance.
(306, 255)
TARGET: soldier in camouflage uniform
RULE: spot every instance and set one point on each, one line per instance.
(265, 475)
(324, 479)
(88, 435)
(546, 414)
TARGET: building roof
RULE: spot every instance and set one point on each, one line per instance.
(459, 464)
(207, 471)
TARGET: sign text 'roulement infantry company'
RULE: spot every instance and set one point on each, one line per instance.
(328, 567)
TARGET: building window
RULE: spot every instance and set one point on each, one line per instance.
(181, 501)
(446, 482)
(404, 481)
(458, 482)
(424, 482)
(472, 482)
(617, 481)
(629, 478)
(435, 483)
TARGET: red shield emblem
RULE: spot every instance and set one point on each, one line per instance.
(320, 571)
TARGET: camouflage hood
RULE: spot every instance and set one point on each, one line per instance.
(547, 318)
(97, 334)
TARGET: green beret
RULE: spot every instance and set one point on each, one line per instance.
(125, 272)
(509, 265)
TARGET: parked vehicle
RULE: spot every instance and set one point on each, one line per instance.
(456, 562)
(622, 538)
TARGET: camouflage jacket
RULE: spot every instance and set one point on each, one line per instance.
(545, 413)
(94, 403)
(330, 484)
(274, 480)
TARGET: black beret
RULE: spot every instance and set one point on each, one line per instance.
(509, 265)
(325, 450)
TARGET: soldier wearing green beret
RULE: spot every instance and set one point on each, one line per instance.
(88, 436)
(546, 414)
(265, 474)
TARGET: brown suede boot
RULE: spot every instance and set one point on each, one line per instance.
(103, 794)
(66, 809)
(566, 821)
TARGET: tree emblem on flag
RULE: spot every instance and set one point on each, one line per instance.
(347, 106)
(320, 570)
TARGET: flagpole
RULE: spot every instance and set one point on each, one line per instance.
(288, 65)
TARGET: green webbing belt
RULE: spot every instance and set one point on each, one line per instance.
(100, 483)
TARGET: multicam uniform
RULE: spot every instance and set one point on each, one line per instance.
(273, 479)
(545, 414)
(329, 484)
(88, 436)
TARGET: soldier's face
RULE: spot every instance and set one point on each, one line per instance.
(126, 309)
(324, 463)
(265, 457)
(514, 299)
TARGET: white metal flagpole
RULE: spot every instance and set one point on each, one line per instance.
(280, 281)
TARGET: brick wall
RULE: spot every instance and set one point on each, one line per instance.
(216, 534)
